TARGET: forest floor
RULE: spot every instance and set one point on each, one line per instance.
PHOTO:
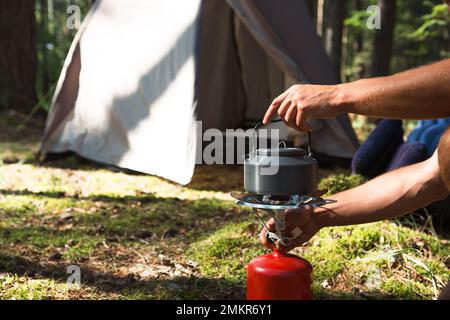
(142, 237)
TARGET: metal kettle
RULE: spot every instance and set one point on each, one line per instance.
(281, 171)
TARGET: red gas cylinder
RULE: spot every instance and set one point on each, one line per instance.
(279, 276)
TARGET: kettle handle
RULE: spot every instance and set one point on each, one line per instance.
(260, 124)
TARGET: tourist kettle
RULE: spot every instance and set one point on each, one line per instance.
(281, 171)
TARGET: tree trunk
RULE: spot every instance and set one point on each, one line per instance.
(336, 10)
(312, 6)
(17, 54)
(383, 41)
(43, 47)
(358, 45)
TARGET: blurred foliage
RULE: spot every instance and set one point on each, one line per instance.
(54, 39)
(421, 36)
(435, 25)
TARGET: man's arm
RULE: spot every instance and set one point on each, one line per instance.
(390, 195)
(422, 93)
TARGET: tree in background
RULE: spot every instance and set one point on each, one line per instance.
(43, 34)
(356, 40)
(18, 55)
(383, 40)
(333, 31)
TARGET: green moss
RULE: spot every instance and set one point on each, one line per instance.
(337, 183)
(21, 288)
(406, 289)
(356, 241)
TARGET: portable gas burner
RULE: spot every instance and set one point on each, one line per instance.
(276, 206)
(276, 180)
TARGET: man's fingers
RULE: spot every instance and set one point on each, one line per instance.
(263, 235)
(291, 115)
(297, 217)
(299, 227)
(273, 108)
(301, 121)
(270, 225)
(283, 109)
(297, 242)
(270, 113)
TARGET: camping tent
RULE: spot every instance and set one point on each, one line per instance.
(139, 74)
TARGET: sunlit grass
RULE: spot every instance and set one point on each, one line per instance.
(142, 237)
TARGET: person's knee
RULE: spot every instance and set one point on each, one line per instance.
(444, 157)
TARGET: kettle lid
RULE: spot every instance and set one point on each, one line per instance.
(288, 152)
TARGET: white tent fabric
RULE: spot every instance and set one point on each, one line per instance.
(135, 100)
(139, 74)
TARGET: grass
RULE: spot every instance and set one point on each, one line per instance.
(142, 237)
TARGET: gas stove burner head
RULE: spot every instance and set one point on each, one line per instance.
(273, 199)
(270, 202)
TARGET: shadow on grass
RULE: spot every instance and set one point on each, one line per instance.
(71, 160)
(144, 198)
(125, 217)
(225, 178)
(130, 221)
(179, 287)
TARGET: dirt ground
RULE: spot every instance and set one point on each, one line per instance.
(135, 236)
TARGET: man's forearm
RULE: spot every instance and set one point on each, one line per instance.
(390, 195)
(422, 93)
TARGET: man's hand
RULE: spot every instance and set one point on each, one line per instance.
(420, 93)
(304, 220)
(302, 102)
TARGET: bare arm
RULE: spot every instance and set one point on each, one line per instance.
(421, 93)
(390, 195)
